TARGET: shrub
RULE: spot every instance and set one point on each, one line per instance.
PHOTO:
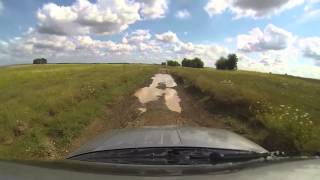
(221, 63)
(195, 63)
(186, 62)
(172, 63)
(40, 61)
(229, 63)
(232, 61)
(163, 63)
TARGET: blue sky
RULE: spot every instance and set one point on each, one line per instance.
(269, 36)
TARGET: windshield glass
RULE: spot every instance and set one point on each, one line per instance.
(169, 156)
(159, 82)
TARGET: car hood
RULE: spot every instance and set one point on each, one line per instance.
(291, 170)
(169, 137)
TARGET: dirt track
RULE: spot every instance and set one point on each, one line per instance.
(158, 114)
(126, 114)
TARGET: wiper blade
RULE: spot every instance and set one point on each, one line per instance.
(169, 156)
(235, 157)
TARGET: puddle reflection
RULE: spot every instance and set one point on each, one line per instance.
(153, 92)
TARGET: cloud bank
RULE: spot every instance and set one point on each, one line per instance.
(250, 8)
(104, 17)
(271, 38)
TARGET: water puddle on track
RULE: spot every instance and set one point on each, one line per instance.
(162, 85)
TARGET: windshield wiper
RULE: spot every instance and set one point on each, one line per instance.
(169, 156)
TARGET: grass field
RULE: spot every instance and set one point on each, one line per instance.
(286, 106)
(44, 107)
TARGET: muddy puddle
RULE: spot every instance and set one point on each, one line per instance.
(162, 86)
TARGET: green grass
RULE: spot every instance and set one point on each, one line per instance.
(44, 107)
(284, 105)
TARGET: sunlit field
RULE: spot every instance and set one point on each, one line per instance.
(287, 107)
(44, 107)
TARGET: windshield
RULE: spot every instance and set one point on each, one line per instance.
(159, 82)
(169, 156)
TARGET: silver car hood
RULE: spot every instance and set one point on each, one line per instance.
(170, 137)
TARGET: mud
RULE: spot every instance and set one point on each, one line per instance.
(165, 102)
(160, 103)
(162, 85)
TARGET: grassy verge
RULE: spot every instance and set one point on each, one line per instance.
(287, 107)
(45, 107)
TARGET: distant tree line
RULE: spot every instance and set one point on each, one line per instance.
(173, 63)
(40, 61)
(194, 63)
(229, 63)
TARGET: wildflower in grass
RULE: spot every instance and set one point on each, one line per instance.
(28, 149)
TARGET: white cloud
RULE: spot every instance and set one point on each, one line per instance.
(103, 17)
(216, 7)
(168, 37)
(207, 52)
(271, 53)
(153, 9)
(149, 47)
(139, 45)
(310, 5)
(3, 48)
(141, 39)
(310, 15)
(57, 48)
(182, 14)
(263, 8)
(229, 40)
(54, 43)
(286, 62)
(306, 70)
(311, 48)
(278, 51)
(118, 47)
(83, 17)
(271, 38)
(101, 47)
(311, 12)
(271, 61)
(250, 8)
(137, 36)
